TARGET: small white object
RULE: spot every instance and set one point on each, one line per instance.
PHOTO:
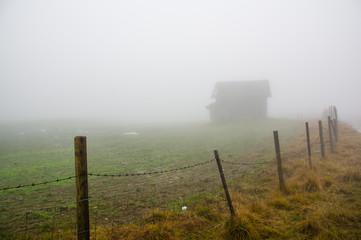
(184, 208)
(131, 133)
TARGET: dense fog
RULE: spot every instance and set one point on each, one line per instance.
(156, 61)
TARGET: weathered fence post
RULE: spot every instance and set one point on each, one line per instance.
(336, 123)
(279, 162)
(224, 183)
(330, 133)
(308, 145)
(321, 138)
(333, 129)
(81, 173)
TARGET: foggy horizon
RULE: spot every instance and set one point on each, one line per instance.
(158, 61)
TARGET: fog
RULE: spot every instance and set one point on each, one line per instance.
(155, 61)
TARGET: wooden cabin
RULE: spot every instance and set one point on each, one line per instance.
(239, 101)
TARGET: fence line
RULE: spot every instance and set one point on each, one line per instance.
(86, 199)
(116, 200)
(37, 184)
(150, 173)
(110, 175)
(242, 163)
(128, 174)
(332, 132)
(27, 228)
(295, 154)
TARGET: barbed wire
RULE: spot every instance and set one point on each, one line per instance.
(37, 184)
(295, 154)
(92, 198)
(315, 144)
(241, 163)
(150, 173)
(63, 205)
(108, 175)
(325, 130)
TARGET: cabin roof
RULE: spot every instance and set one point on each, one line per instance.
(234, 89)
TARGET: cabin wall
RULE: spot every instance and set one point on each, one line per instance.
(240, 109)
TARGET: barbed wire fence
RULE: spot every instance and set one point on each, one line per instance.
(158, 189)
(330, 133)
(133, 195)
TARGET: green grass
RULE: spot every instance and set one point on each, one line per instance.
(30, 154)
(310, 210)
(37, 155)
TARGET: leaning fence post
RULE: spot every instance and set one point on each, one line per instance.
(224, 183)
(330, 133)
(308, 145)
(81, 173)
(321, 138)
(279, 161)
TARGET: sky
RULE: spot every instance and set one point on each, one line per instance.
(149, 61)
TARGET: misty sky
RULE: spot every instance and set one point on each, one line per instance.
(159, 60)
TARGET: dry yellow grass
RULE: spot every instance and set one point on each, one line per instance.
(322, 203)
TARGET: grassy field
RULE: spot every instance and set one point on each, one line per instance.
(320, 203)
(42, 151)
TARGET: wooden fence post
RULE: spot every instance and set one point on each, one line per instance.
(308, 145)
(330, 133)
(279, 162)
(333, 129)
(321, 138)
(336, 123)
(81, 173)
(224, 183)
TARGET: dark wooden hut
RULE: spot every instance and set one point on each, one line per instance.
(239, 100)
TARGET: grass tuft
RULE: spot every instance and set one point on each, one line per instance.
(327, 183)
(239, 228)
(156, 216)
(341, 216)
(312, 183)
(159, 232)
(310, 226)
(352, 175)
(208, 214)
(258, 207)
(280, 203)
(269, 232)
